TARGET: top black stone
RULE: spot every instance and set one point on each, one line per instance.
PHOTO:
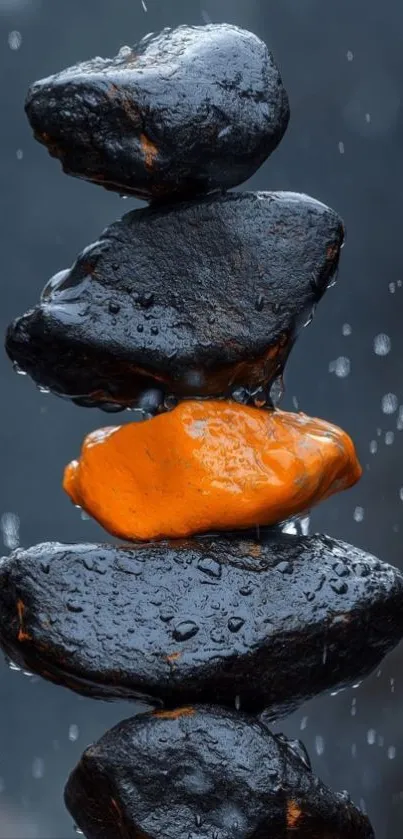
(187, 111)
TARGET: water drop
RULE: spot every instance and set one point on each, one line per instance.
(290, 527)
(341, 367)
(38, 768)
(210, 566)
(73, 732)
(144, 5)
(339, 587)
(371, 736)
(235, 624)
(259, 303)
(391, 752)
(237, 702)
(373, 447)
(10, 527)
(341, 147)
(350, 55)
(382, 344)
(170, 402)
(358, 514)
(353, 707)
(346, 329)
(392, 288)
(389, 403)
(185, 630)
(319, 745)
(14, 40)
(304, 525)
(114, 307)
(284, 567)
(198, 820)
(353, 750)
(389, 438)
(304, 723)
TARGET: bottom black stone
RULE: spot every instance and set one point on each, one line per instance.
(200, 772)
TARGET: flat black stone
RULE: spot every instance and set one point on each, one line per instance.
(204, 773)
(225, 619)
(186, 111)
(200, 298)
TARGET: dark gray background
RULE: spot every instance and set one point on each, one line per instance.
(342, 64)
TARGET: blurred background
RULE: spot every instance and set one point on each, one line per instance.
(342, 64)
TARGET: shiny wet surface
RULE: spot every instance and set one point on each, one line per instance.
(342, 66)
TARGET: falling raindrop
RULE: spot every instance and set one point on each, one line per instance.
(389, 403)
(371, 736)
(382, 344)
(350, 55)
(304, 723)
(144, 5)
(353, 750)
(319, 745)
(73, 732)
(368, 118)
(401, 493)
(399, 423)
(38, 768)
(354, 706)
(19, 154)
(10, 527)
(373, 447)
(237, 702)
(358, 514)
(341, 367)
(346, 329)
(2, 785)
(391, 752)
(14, 40)
(341, 147)
(392, 288)
(389, 438)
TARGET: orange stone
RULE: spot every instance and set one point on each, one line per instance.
(208, 465)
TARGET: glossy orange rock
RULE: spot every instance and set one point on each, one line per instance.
(208, 465)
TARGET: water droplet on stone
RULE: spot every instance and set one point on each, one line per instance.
(235, 624)
(284, 567)
(185, 630)
(114, 308)
(259, 303)
(210, 567)
(339, 587)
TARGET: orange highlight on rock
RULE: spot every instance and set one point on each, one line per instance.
(208, 465)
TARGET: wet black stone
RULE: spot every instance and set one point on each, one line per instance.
(153, 623)
(177, 266)
(186, 111)
(203, 772)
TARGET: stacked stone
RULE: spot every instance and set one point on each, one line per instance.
(187, 312)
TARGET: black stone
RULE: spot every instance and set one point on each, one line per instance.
(147, 620)
(206, 773)
(186, 111)
(170, 300)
